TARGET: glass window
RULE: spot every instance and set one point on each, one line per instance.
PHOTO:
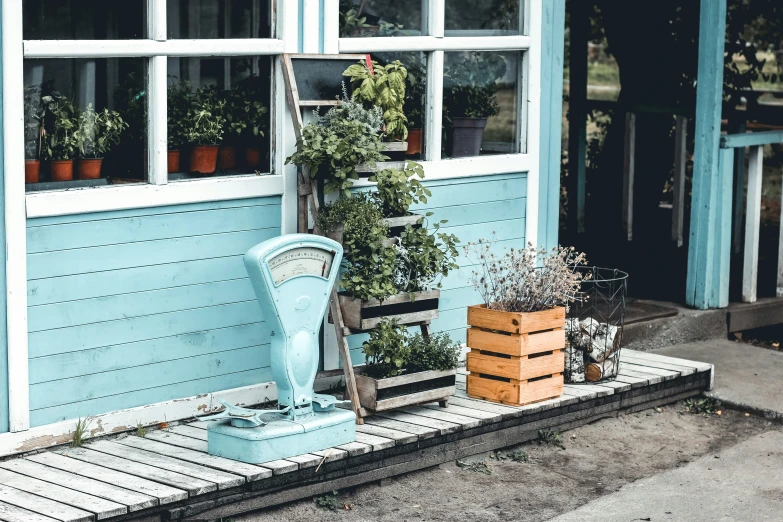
(213, 19)
(365, 18)
(84, 19)
(484, 18)
(218, 116)
(85, 122)
(481, 103)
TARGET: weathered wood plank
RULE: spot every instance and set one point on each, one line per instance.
(164, 494)
(377, 443)
(11, 513)
(306, 460)
(626, 370)
(134, 500)
(443, 427)
(618, 386)
(752, 225)
(582, 393)
(279, 467)
(192, 485)
(250, 472)
(666, 374)
(355, 449)
(700, 366)
(442, 415)
(176, 439)
(189, 431)
(635, 381)
(100, 507)
(629, 174)
(331, 454)
(221, 478)
(507, 412)
(422, 431)
(398, 437)
(598, 388)
(641, 360)
(43, 506)
(484, 416)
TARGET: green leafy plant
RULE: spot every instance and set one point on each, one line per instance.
(354, 23)
(180, 101)
(387, 351)
(415, 93)
(436, 352)
(205, 122)
(60, 136)
(470, 85)
(33, 117)
(335, 144)
(100, 131)
(245, 113)
(141, 431)
(551, 437)
(328, 501)
(425, 257)
(516, 456)
(79, 432)
(384, 87)
(398, 189)
(475, 467)
(704, 406)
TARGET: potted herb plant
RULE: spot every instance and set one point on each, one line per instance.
(248, 119)
(204, 131)
(99, 131)
(517, 336)
(469, 97)
(396, 191)
(60, 136)
(403, 371)
(32, 133)
(382, 86)
(179, 100)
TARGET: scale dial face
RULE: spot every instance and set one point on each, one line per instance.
(300, 261)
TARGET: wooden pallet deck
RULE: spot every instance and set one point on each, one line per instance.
(168, 474)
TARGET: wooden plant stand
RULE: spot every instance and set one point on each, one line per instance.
(415, 308)
(515, 358)
(406, 390)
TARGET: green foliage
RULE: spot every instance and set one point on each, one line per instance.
(382, 87)
(470, 85)
(33, 117)
(399, 189)
(387, 351)
(703, 406)
(354, 23)
(425, 257)
(180, 101)
(552, 437)
(245, 113)
(516, 456)
(415, 94)
(141, 431)
(475, 467)
(328, 501)
(78, 433)
(436, 352)
(205, 122)
(99, 131)
(336, 144)
(61, 138)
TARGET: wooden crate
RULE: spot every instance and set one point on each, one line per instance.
(406, 390)
(406, 308)
(515, 358)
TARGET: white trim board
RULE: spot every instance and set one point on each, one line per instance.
(433, 43)
(123, 197)
(147, 48)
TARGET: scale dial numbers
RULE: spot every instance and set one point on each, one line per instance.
(302, 261)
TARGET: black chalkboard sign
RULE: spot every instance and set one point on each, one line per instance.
(316, 79)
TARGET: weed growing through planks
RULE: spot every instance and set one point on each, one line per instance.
(475, 467)
(141, 431)
(516, 456)
(705, 406)
(328, 501)
(79, 431)
(552, 437)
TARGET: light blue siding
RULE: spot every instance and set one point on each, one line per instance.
(475, 208)
(135, 307)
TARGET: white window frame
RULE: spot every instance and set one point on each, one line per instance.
(435, 44)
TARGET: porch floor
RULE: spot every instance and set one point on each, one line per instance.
(168, 475)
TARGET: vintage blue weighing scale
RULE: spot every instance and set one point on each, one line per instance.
(292, 276)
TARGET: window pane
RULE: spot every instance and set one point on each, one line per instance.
(481, 103)
(218, 113)
(194, 19)
(363, 18)
(81, 110)
(482, 18)
(84, 19)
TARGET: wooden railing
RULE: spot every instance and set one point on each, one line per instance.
(755, 142)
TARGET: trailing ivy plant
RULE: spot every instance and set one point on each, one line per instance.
(100, 131)
(61, 138)
(384, 87)
(436, 352)
(425, 258)
(333, 146)
(398, 189)
(387, 351)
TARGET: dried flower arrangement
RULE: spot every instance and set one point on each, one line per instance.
(525, 279)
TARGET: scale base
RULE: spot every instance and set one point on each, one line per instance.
(281, 438)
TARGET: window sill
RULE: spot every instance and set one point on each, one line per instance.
(123, 197)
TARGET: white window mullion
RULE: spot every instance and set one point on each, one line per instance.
(310, 26)
(156, 22)
(284, 138)
(532, 114)
(331, 26)
(436, 20)
(434, 106)
(15, 218)
(157, 83)
(433, 43)
(146, 48)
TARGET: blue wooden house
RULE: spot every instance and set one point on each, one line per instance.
(125, 298)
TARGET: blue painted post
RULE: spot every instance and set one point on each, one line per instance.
(709, 235)
(3, 332)
(552, 52)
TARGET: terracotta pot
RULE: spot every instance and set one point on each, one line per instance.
(173, 161)
(89, 168)
(32, 171)
(61, 170)
(203, 159)
(415, 141)
(252, 157)
(227, 158)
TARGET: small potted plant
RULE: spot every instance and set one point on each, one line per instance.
(179, 100)
(403, 371)
(204, 131)
(396, 191)
(60, 136)
(32, 133)
(99, 131)
(517, 336)
(382, 86)
(469, 98)
(414, 105)
(247, 119)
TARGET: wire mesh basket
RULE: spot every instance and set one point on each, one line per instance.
(594, 326)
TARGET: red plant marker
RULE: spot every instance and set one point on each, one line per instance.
(368, 61)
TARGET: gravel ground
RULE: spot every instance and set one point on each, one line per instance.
(597, 460)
